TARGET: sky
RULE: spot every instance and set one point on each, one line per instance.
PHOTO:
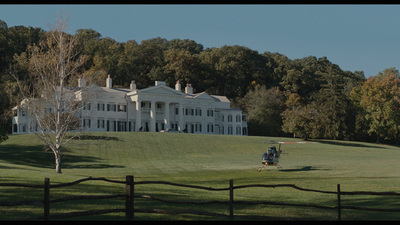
(355, 37)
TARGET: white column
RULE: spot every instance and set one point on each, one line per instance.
(180, 124)
(138, 121)
(153, 117)
(166, 116)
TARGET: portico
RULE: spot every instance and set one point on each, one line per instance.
(157, 105)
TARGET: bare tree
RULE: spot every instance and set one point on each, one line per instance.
(53, 108)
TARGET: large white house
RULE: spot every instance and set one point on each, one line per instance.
(151, 109)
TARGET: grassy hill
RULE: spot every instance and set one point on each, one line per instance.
(212, 160)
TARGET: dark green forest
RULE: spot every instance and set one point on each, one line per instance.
(309, 98)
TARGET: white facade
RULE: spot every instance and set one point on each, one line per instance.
(151, 109)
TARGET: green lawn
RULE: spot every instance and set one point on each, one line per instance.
(206, 160)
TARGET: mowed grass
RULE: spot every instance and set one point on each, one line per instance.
(206, 160)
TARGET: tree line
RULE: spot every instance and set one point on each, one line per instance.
(309, 98)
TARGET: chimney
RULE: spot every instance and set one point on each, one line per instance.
(109, 82)
(81, 82)
(159, 83)
(178, 86)
(133, 85)
(188, 89)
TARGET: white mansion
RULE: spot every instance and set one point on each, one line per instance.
(150, 109)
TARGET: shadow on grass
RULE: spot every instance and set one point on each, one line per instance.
(348, 144)
(36, 156)
(96, 138)
(305, 168)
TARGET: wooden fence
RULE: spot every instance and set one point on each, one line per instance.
(130, 208)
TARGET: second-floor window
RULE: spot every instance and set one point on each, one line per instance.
(87, 106)
(100, 106)
(111, 107)
(121, 108)
(210, 112)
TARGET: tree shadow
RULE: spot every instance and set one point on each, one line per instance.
(96, 138)
(349, 144)
(36, 156)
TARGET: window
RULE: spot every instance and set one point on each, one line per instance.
(198, 127)
(210, 128)
(121, 108)
(100, 123)
(210, 112)
(238, 130)
(86, 106)
(230, 130)
(100, 106)
(111, 107)
(121, 125)
(198, 111)
(189, 112)
(86, 123)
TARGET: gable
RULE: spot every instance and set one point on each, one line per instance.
(204, 96)
(160, 90)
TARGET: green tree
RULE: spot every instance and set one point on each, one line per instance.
(5, 48)
(143, 62)
(333, 103)
(276, 66)
(186, 44)
(303, 121)
(380, 98)
(183, 65)
(359, 122)
(232, 69)
(21, 37)
(107, 56)
(303, 77)
(264, 107)
(356, 128)
(88, 44)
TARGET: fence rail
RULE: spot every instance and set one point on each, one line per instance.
(129, 196)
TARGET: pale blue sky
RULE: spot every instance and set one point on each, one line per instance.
(356, 37)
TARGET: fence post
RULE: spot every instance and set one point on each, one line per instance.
(46, 200)
(129, 190)
(231, 199)
(339, 203)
